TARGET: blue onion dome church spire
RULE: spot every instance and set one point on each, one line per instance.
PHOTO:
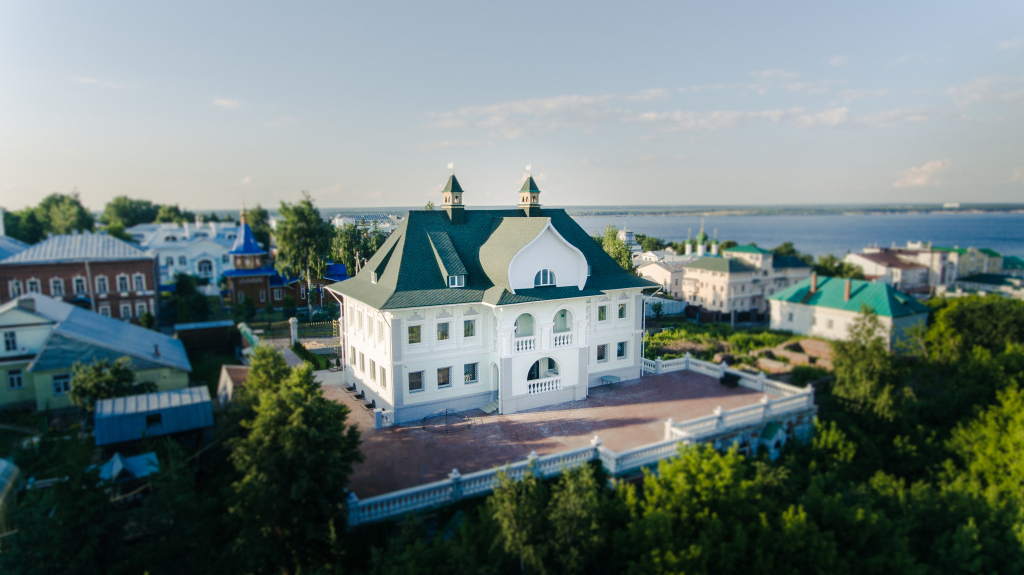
(452, 204)
(529, 197)
(246, 253)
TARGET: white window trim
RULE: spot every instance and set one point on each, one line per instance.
(57, 282)
(103, 310)
(15, 288)
(423, 386)
(418, 343)
(597, 355)
(21, 379)
(74, 285)
(143, 278)
(127, 283)
(450, 382)
(437, 332)
(476, 330)
(127, 306)
(33, 281)
(474, 381)
(106, 282)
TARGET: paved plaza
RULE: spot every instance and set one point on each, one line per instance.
(625, 415)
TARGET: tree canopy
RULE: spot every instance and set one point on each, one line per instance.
(127, 212)
(303, 239)
(56, 214)
(616, 248)
(104, 380)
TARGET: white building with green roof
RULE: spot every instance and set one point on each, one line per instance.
(827, 307)
(506, 309)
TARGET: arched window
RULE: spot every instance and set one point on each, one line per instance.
(205, 268)
(544, 278)
(524, 325)
(542, 369)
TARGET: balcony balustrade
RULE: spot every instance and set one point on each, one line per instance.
(544, 385)
(563, 339)
(524, 344)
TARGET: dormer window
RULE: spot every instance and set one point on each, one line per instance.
(457, 281)
(373, 277)
(544, 278)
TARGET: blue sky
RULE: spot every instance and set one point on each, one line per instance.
(611, 103)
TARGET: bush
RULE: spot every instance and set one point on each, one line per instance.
(319, 362)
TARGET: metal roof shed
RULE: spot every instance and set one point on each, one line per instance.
(136, 416)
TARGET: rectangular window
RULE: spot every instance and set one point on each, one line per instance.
(277, 295)
(352, 355)
(14, 288)
(829, 324)
(61, 384)
(622, 311)
(79, 286)
(33, 286)
(362, 362)
(101, 284)
(104, 310)
(380, 331)
(469, 372)
(140, 282)
(469, 328)
(263, 296)
(456, 281)
(620, 350)
(444, 377)
(602, 313)
(442, 331)
(10, 341)
(141, 308)
(369, 328)
(383, 378)
(122, 283)
(15, 379)
(373, 370)
(415, 381)
(169, 261)
(789, 318)
(602, 352)
(57, 287)
(302, 292)
(224, 258)
(126, 311)
(414, 334)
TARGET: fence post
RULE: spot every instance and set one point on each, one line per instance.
(668, 429)
(456, 480)
(721, 420)
(810, 396)
(760, 380)
(765, 404)
(378, 418)
(353, 509)
(293, 323)
(657, 365)
(721, 369)
(686, 361)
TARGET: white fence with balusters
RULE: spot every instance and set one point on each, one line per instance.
(782, 401)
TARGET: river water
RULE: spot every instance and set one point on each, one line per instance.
(835, 234)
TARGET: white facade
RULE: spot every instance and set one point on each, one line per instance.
(419, 361)
(199, 250)
(832, 323)
(384, 222)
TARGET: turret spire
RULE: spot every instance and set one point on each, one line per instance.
(529, 196)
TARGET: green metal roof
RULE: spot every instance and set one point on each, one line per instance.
(960, 251)
(720, 264)
(529, 185)
(990, 253)
(1013, 263)
(453, 185)
(751, 249)
(884, 299)
(413, 263)
(789, 262)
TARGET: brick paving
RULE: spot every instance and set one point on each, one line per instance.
(625, 415)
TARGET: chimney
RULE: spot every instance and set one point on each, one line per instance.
(28, 304)
(846, 292)
(814, 282)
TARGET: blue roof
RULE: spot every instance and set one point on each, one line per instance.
(133, 417)
(246, 244)
(10, 246)
(76, 248)
(335, 272)
(125, 468)
(249, 272)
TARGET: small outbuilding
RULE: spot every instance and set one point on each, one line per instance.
(136, 416)
(231, 378)
(119, 469)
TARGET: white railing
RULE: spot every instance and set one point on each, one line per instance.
(781, 403)
(543, 385)
(561, 339)
(524, 344)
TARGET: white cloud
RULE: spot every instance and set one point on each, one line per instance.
(696, 89)
(451, 144)
(924, 175)
(522, 117)
(765, 80)
(837, 61)
(97, 82)
(648, 95)
(1012, 44)
(245, 181)
(851, 95)
(225, 103)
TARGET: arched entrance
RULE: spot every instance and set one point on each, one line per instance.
(544, 376)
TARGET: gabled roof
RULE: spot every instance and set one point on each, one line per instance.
(789, 262)
(751, 249)
(1013, 263)
(447, 258)
(884, 299)
(135, 467)
(80, 334)
(719, 264)
(246, 244)
(10, 246)
(453, 185)
(529, 185)
(409, 274)
(990, 253)
(76, 248)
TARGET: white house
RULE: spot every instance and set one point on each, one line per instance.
(197, 249)
(384, 222)
(827, 307)
(506, 309)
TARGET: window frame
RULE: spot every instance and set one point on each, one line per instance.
(448, 377)
(623, 314)
(602, 349)
(103, 310)
(139, 282)
(409, 381)
(59, 284)
(457, 281)
(141, 305)
(602, 313)
(127, 283)
(362, 362)
(16, 375)
(471, 324)
(544, 278)
(65, 384)
(10, 341)
(419, 334)
(33, 282)
(476, 373)
(622, 350)
(373, 370)
(447, 331)
(127, 306)
(383, 378)
(105, 287)
(15, 288)
(80, 281)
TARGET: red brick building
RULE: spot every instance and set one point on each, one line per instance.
(93, 271)
(254, 280)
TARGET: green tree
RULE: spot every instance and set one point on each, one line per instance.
(293, 471)
(303, 240)
(259, 222)
(728, 244)
(347, 242)
(104, 380)
(832, 266)
(147, 320)
(267, 372)
(787, 249)
(117, 231)
(867, 375)
(63, 213)
(518, 509)
(430, 206)
(649, 243)
(576, 520)
(127, 212)
(188, 303)
(658, 308)
(24, 225)
(616, 248)
(174, 214)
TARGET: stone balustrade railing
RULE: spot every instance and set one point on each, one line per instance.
(543, 385)
(781, 402)
(524, 344)
(561, 339)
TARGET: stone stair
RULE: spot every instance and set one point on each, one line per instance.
(490, 407)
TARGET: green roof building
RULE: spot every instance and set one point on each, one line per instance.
(827, 307)
(506, 309)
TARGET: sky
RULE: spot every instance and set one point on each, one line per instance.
(209, 104)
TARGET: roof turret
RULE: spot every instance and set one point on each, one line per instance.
(529, 197)
(246, 244)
